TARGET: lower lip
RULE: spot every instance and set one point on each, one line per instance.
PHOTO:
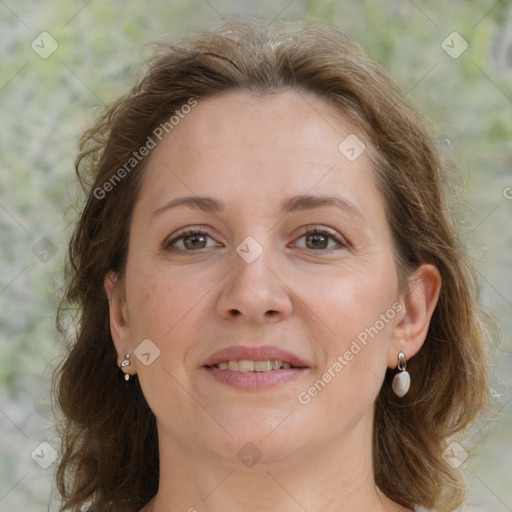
(255, 381)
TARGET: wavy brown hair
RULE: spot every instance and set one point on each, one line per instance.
(109, 454)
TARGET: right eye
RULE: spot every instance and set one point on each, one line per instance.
(189, 240)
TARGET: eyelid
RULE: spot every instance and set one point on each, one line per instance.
(183, 233)
(324, 230)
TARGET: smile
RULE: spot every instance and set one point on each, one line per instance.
(246, 365)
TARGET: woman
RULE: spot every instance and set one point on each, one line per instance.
(273, 309)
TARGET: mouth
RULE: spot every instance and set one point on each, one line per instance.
(254, 368)
(247, 365)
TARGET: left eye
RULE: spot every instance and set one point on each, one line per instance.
(320, 240)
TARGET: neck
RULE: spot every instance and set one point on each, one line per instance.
(338, 476)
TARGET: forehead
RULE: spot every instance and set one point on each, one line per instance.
(237, 121)
(240, 144)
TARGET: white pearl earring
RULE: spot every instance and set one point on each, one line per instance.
(402, 380)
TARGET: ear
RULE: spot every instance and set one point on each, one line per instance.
(419, 303)
(119, 320)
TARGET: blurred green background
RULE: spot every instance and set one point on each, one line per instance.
(46, 101)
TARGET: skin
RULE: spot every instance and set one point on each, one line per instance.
(252, 153)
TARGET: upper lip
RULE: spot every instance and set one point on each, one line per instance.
(260, 353)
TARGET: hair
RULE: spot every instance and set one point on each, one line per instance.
(109, 455)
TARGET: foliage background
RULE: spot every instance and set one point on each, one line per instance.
(46, 103)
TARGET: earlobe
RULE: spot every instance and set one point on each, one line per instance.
(419, 304)
(119, 319)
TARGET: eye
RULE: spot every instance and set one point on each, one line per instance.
(188, 240)
(321, 239)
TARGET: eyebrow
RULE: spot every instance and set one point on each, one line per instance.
(309, 202)
(295, 203)
(206, 204)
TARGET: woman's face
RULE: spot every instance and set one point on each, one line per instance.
(258, 235)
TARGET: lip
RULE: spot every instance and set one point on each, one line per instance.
(261, 353)
(255, 381)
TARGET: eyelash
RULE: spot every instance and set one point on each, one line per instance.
(191, 231)
(168, 244)
(316, 230)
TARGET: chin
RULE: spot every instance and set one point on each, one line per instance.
(273, 437)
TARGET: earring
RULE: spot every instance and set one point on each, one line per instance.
(125, 363)
(402, 380)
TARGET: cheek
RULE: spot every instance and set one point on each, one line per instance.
(361, 312)
(356, 301)
(354, 349)
(358, 309)
(159, 296)
(168, 306)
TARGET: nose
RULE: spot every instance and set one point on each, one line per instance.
(255, 292)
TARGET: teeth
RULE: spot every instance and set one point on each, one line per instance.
(262, 366)
(245, 365)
